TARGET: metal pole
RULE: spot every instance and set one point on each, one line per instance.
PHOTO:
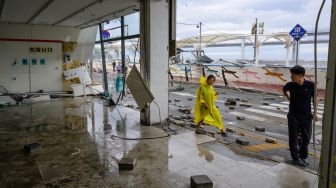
(29, 73)
(200, 40)
(255, 40)
(123, 66)
(297, 53)
(103, 57)
(186, 73)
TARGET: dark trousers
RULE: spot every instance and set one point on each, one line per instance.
(299, 124)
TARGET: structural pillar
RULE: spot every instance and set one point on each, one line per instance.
(287, 54)
(328, 152)
(242, 49)
(154, 36)
(172, 28)
(293, 45)
(257, 54)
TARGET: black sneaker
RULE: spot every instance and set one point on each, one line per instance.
(298, 162)
(305, 162)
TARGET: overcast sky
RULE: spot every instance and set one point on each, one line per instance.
(237, 16)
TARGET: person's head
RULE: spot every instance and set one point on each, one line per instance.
(297, 73)
(211, 79)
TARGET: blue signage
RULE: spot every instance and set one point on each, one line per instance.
(297, 32)
(105, 34)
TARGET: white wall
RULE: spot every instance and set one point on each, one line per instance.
(15, 41)
(14, 76)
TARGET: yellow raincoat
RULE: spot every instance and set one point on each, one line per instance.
(206, 94)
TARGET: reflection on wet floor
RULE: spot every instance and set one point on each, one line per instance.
(77, 151)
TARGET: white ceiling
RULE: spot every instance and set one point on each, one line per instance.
(72, 13)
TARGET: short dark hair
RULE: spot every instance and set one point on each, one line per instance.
(297, 69)
(211, 76)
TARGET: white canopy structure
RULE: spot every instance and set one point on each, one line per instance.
(211, 39)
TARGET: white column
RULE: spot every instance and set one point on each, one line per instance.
(242, 48)
(293, 51)
(154, 33)
(257, 54)
(288, 48)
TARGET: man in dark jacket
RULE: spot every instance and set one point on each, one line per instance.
(300, 93)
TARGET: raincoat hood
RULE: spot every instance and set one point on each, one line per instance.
(203, 81)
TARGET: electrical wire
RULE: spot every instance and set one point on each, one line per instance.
(187, 23)
(114, 137)
(214, 29)
(317, 169)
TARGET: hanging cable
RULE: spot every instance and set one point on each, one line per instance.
(187, 23)
(214, 29)
(114, 137)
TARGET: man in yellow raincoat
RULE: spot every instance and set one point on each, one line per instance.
(205, 108)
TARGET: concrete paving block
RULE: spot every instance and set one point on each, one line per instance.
(180, 123)
(177, 100)
(260, 129)
(177, 117)
(231, 130)
(130, 106)
(200, 181)
(126, 164)
(190, 117)
(240, 118)
(242, 141)
(230, 100)
(241, 134)
(265, 103)
(271, 140)
(227, 103)
(32, 148)
(245, 105)
(231, 107)
(172, 120)
(184, 117)
(224, 134)
(185, 110)
(200, 131)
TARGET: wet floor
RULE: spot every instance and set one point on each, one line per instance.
(78, 151)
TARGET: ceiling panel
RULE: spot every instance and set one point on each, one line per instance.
(20, 11)
(60, 9)
(107, 7)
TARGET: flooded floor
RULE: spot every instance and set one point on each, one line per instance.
(78, 149)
